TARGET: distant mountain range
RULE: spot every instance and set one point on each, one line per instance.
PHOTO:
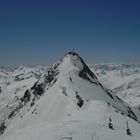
(123, 79)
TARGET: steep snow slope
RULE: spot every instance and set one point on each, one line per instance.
(49, 110)
(123, 79)
(90, 123)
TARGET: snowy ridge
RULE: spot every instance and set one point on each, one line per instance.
(50, 109)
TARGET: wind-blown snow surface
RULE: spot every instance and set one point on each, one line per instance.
(49, 109)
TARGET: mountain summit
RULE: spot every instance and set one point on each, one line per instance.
(68, 102)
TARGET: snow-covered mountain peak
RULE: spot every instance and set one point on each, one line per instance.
(72, 60)
(72, 63)
(67, 91)
(72, 76)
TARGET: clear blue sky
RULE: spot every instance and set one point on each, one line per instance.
(41, 31)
